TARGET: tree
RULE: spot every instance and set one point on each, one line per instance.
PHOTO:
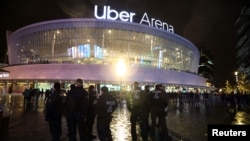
(243, 84)
(228, 87)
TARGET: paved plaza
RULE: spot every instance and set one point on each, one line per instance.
(187, 123)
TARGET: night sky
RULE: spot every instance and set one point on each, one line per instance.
(206, 23)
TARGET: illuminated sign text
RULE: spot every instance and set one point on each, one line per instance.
(111, 14)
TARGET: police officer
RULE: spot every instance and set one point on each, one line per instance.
(136, 105)
(91, 114)
(67, 107)
(76, 110)
(54, 110)
(105, 106)
(147, 107)
(158, 99)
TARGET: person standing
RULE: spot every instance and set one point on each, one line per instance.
(54, 110)
(136, 101)
(147, 108)
(47, 94)
(90, 119)
(27, 98)
(76, 111)
(158, 101)
(105, 106)
(68, 107)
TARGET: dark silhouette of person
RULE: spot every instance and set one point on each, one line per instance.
(147, 108)
(66, 109)
(136, 101)
(76, 110)
(54, 110)
(158, 104)
(105, 106)
(27, 98)
(90, 119)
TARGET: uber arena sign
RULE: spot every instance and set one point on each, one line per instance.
(111, 14)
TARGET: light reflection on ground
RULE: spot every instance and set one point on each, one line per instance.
(189, 121)
(120, 125)
(241, 118)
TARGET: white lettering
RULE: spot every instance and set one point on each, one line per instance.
(216, 132)
(145, 20)
(171, 29)
(111, 14)
(110, 102)
(104, 13)
(158, 24)
(125, 16)
(131, 16)
(165, 26)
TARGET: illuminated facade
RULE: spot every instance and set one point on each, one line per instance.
(90, 49)
(242, 29)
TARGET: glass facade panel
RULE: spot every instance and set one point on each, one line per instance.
(50, 43)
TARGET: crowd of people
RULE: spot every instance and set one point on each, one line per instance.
(143, 104)
(148, 109)
(236, 101)
(31, 96)
(80, 107)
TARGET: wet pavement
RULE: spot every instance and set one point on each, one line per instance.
(186, 123)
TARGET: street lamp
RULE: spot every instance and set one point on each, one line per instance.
(236, 78)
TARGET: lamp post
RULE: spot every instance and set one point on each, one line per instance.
(236, 79)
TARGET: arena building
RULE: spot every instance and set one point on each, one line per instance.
(104, 52)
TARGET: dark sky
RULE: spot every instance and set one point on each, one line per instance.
(206, 23)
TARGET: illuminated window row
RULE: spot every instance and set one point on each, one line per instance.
(100, 46)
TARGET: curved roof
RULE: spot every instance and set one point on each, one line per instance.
(95, 23)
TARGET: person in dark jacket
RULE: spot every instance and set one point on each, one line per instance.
(67, 106)
(105, 106)
(76, 111)
(136, 101)
(90, 119)
(27, 98)
(54, 109)
(158, 102)
(147, 108)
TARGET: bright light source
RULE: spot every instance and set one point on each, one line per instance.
(236, 73)
(121, 67)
